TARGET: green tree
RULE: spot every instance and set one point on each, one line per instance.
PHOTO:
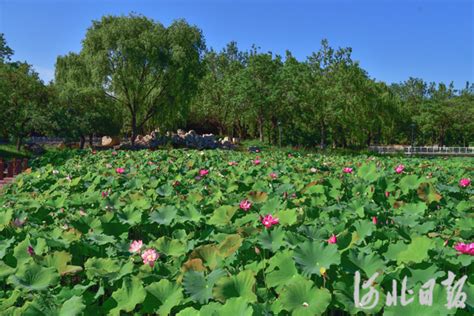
(146, 68)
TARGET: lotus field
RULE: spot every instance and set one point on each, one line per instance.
(234, 233)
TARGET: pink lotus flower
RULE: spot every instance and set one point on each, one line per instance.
(268, 221)
(82, 213)
(149, 257)
(245, 205)
(290, 155)
(387, 194)
(399, 169)
(273, 175)
(114, 153)
(120, 170)
(30, 251)
(256, 162)
(257, 150)
(135, 246)
(105, 194)
(94, 152)
(347, 170)
(232, 163)
(332, 239)
(203, 172)
(374, 220)
(465, 182)
(467, 249)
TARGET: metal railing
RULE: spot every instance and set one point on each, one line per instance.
(424, 150)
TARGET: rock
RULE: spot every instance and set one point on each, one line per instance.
(108, 141)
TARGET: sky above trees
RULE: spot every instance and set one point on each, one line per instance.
(392, 40)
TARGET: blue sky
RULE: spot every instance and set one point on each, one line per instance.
(430, 39)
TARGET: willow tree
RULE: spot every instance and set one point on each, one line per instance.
(147, 68)
(82, 108)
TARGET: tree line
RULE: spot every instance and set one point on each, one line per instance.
(133, 75)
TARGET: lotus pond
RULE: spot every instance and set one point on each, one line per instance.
(231, 233)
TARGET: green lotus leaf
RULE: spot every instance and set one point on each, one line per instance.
(34, 277)
(410, 182)
(229, 245)
(60, 260)
(168, 295)
(128, 296)
(5, 218)
(170, 247)
(4, 245)
(101, 267)
(240, 285)
(281, 270)
(311, 256)
(72, 307)
(301, 297)
(222, 215)
(164, 215)
(235, 306)
(416, 251)
(198, 286)
(272, 239)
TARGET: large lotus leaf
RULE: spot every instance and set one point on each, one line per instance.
(287, 217)
(311, 256)
(7, 302)
(60, 260)
(101, 267)
(190, 213)
(72, 307)
(164, 215)
(189, 311)
(5, 270)
(165, 190)
(369, 263)
(4, 245)
(130, 215)
(417, 250)
(364, 228)
(271, 206)
(235, 307)
(34, 277)
(198, 286)
(208, 254)
(101, 239)
(272, 239)
(222, 215)
(170, 247)
(5, 218)
(229, 245)
(281, 270)
(240, 285)
(368, 172)
(301, 297)
(410, 182)
(167, 294)
(128, 296)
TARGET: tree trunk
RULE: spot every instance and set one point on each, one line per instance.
(260, 129)
(91, 140)
(18, 143)
(82, 142)
(322, 131)
(134, 129)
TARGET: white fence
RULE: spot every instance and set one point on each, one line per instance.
(424, 150)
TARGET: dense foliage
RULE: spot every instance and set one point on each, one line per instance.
(188, 232)
(326, 99)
